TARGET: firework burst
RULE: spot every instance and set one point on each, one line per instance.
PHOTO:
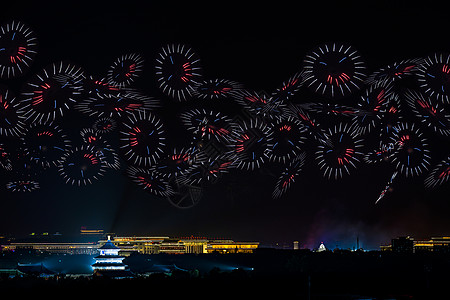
(18, 47)
(341, 153)
(334, 70)
(178, 71)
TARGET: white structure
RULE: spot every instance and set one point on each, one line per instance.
(321, 248)
(109, 258)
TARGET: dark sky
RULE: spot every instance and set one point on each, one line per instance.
(258, 46)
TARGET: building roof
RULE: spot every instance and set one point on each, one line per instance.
(34, 269)
(109, 245)
(101, 264)
(108, 256)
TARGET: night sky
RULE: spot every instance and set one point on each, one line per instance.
(260, 47)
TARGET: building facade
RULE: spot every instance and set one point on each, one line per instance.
(229, 246)
(57, 248)
(189, 245)
(409, 245)
(139, 244)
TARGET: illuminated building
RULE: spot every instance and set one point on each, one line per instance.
(195, 245)
(127, 245)
(172, 246)
(84, 231)
(229, 246)
(137, 244)
(60, 248)
(435, 244)
(386, 247)
(321, 248)
(109, 258)
(295, 245)
(409, 245)
(192, 245)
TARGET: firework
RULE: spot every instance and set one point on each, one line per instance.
(14, 157)
(289, 87)
(178, 71)
(372, 106)
(101, 147)
(341, 153)
(5, 161)
(142, 139)
(334, 70)
(429, 112)
(390, 117)
(104, 125)
(116, 105)
(262, 104)
(94, 86)
(411, 156)
(309, 123)
(91, 137)
(109, 155)
(22, 186)
(388, 187)
(125, 70)
(395, 71)
(208, 171)
(18, 46)
(180, 162)
(12, 115)
(439, 174)
(288, 138)
(209, 124)
(275, 108)
(434, 76)
(81, 166)
(45, 143)
(52, 92)
(288, 176)
(150, 181)
(252, 144)
(329, 109)
(251, 100)
(382, 153)
(215, 89)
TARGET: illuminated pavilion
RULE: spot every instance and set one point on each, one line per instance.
(109, 258)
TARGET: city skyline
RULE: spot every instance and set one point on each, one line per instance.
(91, 237)
(256, 55)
